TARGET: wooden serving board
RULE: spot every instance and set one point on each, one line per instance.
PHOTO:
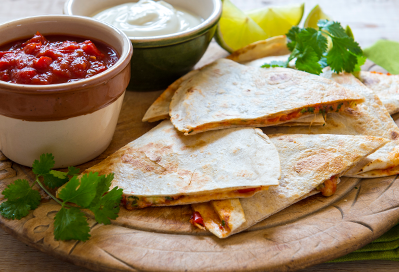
(314, 230)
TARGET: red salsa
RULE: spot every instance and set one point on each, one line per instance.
(54, 59)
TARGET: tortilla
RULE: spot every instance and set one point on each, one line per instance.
(163, 167)
(307, 161)
(221, 217)
(226, 94)
(159, 110)
(369, 118)
(385, 86)
(274, 46)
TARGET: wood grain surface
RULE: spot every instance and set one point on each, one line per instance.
(353, 219)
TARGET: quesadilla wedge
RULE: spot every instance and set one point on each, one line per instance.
(164, 168)
(159, 110)
(221, 217)
(369, 118)
(226, 94)
(309, 164)
(385, 86)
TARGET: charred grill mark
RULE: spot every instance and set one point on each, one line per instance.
(394, 135)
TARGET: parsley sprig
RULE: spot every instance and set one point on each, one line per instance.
(309, 47)
(90, 192)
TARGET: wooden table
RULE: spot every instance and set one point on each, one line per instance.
(369, 19)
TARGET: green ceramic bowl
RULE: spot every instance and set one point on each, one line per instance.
(158, 61)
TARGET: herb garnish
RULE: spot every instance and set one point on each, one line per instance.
(90, 192)
(310, 49)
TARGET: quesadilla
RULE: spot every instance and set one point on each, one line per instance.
(309, 164)
(368, 118)
(163, 167)
(226, 94)
(221, 217)
(385, 86)
(159, 110)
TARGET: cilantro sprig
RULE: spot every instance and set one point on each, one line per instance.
(309, 47)
(90, 192)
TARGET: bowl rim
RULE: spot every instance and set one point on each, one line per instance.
(105, 76)
(169, 39)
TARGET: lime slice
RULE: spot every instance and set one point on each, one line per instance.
(235, 29)
(277, 20)
(314, 16)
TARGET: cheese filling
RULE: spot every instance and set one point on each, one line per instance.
(278, 118)
(138, 202)
(328, 187)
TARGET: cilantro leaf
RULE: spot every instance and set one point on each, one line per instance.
(44, 164)
(80, 192)
(314, 39)
(339, 58)
(360, 61)
(103, 185)
(16, 190)
(308, 61)
(52, 181)
(58, 174)
(309, 46)
(71, 224)
(21, 199)
(275, 63)
(107, 206)
(334, 28)
(73, 171)
(292, 35)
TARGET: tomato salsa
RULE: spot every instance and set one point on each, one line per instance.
(53, 59)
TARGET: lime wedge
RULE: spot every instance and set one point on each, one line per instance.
(349, 32)
(314, 16)
(236, 29)
(277, 20)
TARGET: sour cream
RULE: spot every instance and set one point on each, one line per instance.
(147, 18)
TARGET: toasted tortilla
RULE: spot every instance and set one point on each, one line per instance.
(274, 46)
(221, 217)
(226, 94)
(159, 110)
(255, 55)
(164, 168)
(368, 118)
(385, 86)
(306, 162)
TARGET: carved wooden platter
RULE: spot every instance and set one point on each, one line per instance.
(312, 231)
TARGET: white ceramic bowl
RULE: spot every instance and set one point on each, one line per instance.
(73, 121)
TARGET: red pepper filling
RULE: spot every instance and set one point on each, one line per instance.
(197, 218)
(243, 191)
(379, 73)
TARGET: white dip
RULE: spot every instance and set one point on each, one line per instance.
(147, 18)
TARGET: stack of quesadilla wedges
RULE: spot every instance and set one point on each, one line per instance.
(309, 164)
(370, 118)
(212, 155)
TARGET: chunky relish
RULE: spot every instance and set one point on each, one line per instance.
(54, 59)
